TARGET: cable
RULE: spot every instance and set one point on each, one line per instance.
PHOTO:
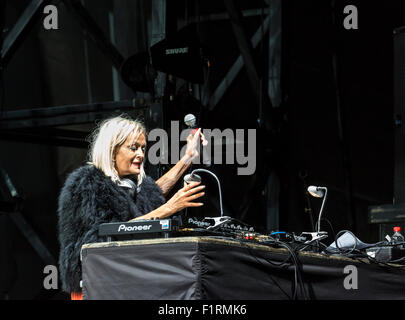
(355, 242)
(297, 266)
(358, 254)
(292, 256)
(298, 280)
(305, 245)
(397, 260)
(271, 263)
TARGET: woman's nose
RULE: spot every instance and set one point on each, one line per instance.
(139, 152)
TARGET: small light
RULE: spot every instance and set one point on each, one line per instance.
(316, 192)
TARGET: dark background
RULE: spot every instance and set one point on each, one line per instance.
(334, 125)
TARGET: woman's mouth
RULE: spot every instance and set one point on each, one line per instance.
(137, 165)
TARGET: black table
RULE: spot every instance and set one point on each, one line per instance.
(200, 268)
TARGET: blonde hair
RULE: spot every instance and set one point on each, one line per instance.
(107, 138)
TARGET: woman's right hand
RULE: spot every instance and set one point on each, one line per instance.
(184, 197)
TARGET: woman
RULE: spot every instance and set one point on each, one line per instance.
(113, 187)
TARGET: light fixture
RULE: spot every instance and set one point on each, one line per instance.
(316, 192)
(216, 222)
(319, 192)
(192, 177)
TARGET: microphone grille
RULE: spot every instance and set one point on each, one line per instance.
(190, 120)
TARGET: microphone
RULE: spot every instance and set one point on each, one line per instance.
(191, 121)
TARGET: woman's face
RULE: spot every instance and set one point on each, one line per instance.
(130, 155)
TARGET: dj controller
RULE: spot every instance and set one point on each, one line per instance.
(231, 228)
(179, 226)
(176, 227)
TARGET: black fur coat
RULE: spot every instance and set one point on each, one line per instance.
(87, 199)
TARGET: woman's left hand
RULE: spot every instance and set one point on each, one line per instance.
(192, 144)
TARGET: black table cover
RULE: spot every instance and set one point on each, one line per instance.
(196, 268)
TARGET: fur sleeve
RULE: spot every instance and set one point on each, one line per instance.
(87, 199)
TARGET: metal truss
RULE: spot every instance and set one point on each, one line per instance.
(38, 125)
(35, 125)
